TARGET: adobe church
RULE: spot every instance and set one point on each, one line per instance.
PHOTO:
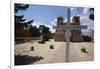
(76, 35)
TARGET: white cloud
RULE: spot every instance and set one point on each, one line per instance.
(86, 11)
(73, 10)
(65, 20)
(84, 20)
(37, 24)
(55, 20)
(53, 23)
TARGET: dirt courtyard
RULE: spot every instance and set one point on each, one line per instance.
(42, 54)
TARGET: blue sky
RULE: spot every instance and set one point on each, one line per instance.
(45, 14)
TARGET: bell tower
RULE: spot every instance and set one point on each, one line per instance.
(76, 35)
(59, 34)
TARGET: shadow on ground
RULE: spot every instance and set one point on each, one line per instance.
(25, 59)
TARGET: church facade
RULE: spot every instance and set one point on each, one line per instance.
(76, 35)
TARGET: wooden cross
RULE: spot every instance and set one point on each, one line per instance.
(67, 27)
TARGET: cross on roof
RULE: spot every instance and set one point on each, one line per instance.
(67, 27)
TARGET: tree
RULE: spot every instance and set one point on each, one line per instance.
(45, 32)
(34, 31)
(20, 7)
(91, 16)
(86, 38)
(20, 22)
